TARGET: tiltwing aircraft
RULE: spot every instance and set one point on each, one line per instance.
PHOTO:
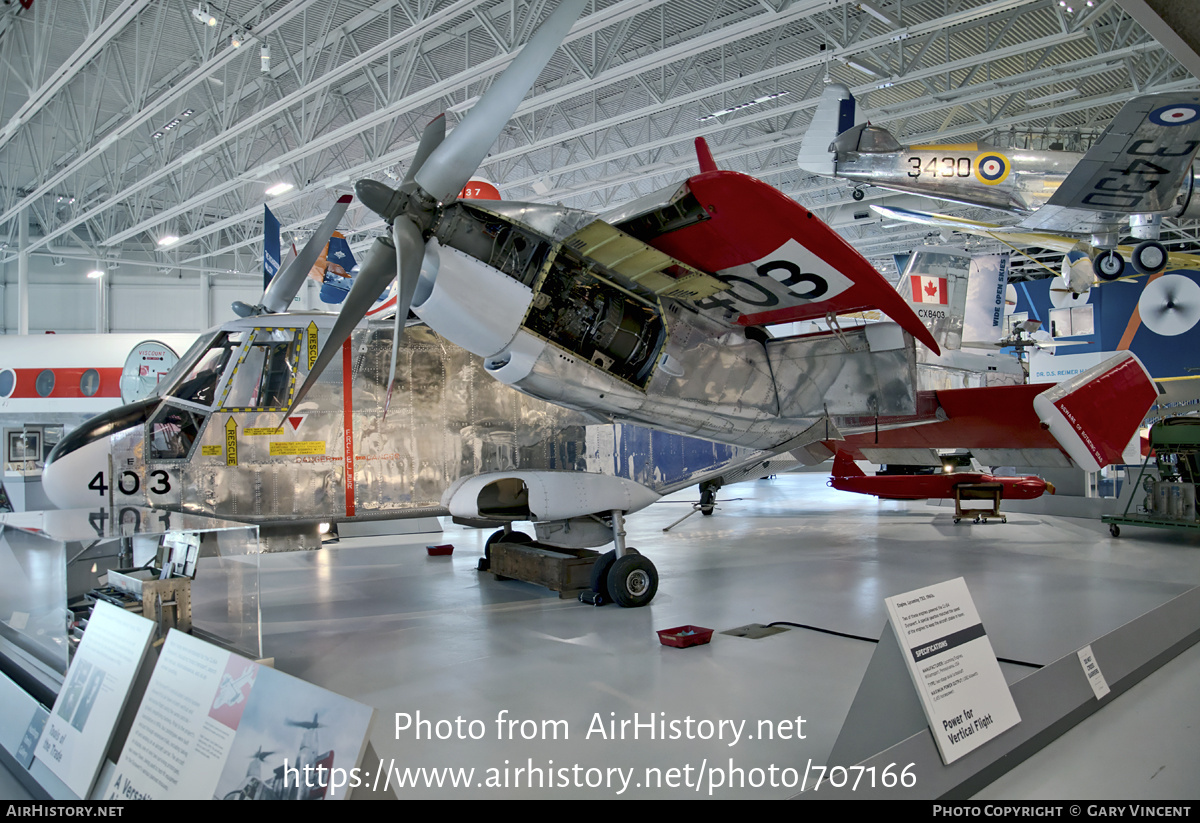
(649, 317)
(1138, 171)
(655, 314)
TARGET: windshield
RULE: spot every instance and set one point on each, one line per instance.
(204, 369)
(184, 364)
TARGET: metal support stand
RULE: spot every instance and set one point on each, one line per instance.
(696, 507)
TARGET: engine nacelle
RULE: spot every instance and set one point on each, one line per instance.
(470, 303)
(543, 495)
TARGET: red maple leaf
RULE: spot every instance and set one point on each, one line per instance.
(930, 289)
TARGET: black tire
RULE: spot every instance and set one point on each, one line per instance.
(502, 537)
(857, 194)
(1114, 530)
(708, 501)
(599, 578)
(632, 581)
(1108, 264)
(1149, 257)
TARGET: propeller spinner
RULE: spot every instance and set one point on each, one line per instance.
(440, 168)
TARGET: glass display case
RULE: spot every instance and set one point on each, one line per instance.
(54, 564)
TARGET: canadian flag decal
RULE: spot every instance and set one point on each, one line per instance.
(929, 289)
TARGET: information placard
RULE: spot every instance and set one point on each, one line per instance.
(216, 725)
(950, 659)
(75, 739)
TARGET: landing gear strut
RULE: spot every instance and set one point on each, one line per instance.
(622, 575)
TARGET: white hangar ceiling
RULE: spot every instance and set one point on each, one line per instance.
(126, 121)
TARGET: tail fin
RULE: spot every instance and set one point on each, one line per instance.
(935, 285)
(270, 245)
(834, 114)
(844, 466)
(1094, 415)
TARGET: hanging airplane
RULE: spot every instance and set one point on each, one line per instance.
(1138, 171)
(652, 317)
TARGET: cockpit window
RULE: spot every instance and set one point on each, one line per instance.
(204, 369)
(172, 432)
(265, 374)
(866, 139)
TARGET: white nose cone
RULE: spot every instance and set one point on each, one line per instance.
(66, 479)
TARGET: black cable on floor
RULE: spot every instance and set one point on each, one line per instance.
(876, 640)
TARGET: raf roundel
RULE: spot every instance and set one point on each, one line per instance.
(991, 168)
(1174, 115)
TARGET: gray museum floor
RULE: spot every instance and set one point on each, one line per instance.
(378, 620)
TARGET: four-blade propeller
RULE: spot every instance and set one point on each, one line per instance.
(440, 169)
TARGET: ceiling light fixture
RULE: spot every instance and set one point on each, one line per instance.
(236, 39)
(168, 240)
(95, 274)
(264, 55)
(279, 188)
(204, 15)
(741, 106)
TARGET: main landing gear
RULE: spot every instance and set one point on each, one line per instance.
(621, 575)
(1108, 264)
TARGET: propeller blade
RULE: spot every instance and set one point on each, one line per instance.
(410, 248)
(373, 277)
(451, 165)
(431, 138)
(283, 286)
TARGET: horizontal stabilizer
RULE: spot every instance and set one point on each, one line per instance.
(1095, 414)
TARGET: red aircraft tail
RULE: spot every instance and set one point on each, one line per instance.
(1092, 418)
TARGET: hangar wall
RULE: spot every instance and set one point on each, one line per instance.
(139, 298)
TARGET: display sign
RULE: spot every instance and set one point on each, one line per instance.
(1091, 670)
(76, 736)
(214, 725)
(953, 667)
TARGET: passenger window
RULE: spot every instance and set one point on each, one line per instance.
(265, 375)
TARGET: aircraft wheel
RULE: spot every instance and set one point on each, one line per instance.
(632, 580)
(1108, 264)
(858, 194)
(499, 536)
(708, 500)
(599, 579)
(1149, 257)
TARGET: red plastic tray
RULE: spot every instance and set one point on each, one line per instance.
(440, 551)
(683, 636)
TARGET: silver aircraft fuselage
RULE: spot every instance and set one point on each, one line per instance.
(215, 442)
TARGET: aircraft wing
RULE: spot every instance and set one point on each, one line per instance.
(1140, 161)
(1015, 237)
(781, 262)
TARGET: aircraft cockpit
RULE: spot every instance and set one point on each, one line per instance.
(866, 139)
